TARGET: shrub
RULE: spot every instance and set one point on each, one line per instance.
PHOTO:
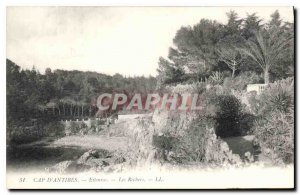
(163, 143)
(180, 88)
(199, 87)
(231, 115)
(54, 129)
(274, 129)
(241, 81)
(209, 101)
(216, 78)
(275, 134)
(200, 144)
(25, 132)
(246, 122)
(17, 134)
(191, 146)
(140, 150)
(278, 96)
(73, 127)
(218, 153)
(228, 116)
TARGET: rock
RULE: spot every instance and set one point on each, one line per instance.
(68, 166)
(60, 167)
(90, 160)
(108, 169)
(119, 160)
(255, 142)
(94, 162)
(163, 142)
(249, 157)
(115, 160)
(75, 167)
(84, 158)
(87, 155)
(224, 147)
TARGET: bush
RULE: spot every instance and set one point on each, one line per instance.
(228, 116)
(274, 129)
(18, 134)
(278, 96)
(231, 116)
(140, 150)
(54, 129)
(199, 87)
(241, 81)
(192, 144)
(73, 127)
(216, 78)
(209, 101)
(246, 122)
(200, 144)
(25, 132)
(275, 134)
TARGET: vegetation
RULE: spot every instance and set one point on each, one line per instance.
(220, 60)
(240, 45)
(216, 60)
(59, 94)
(274, 128)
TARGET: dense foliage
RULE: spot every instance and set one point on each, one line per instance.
(274, 130)
(220, 60)
(228, 116)
(60, 94)
(209, 48)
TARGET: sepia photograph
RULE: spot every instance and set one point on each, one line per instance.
(150, 97)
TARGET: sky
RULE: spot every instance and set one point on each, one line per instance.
(125, 40)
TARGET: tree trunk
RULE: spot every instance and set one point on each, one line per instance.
(233, 71)
(233, 68)
(266, 76)
(78, 111)
(64, 109)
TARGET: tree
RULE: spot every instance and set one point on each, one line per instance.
(228, 51)
(266, 48)
(234, 24)
(252, 24)
(232, 57)
(194, 55)
(48, 71)
(285, 65)
(168, 73)
(195, 68)
(275, 20)
(200, 41)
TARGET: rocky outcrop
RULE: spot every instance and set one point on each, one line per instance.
(92, 160)
(68, 166)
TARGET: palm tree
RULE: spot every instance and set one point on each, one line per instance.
(266, 48)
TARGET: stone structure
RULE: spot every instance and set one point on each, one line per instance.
(256, 87)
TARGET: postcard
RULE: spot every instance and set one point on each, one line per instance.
(150, 97)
